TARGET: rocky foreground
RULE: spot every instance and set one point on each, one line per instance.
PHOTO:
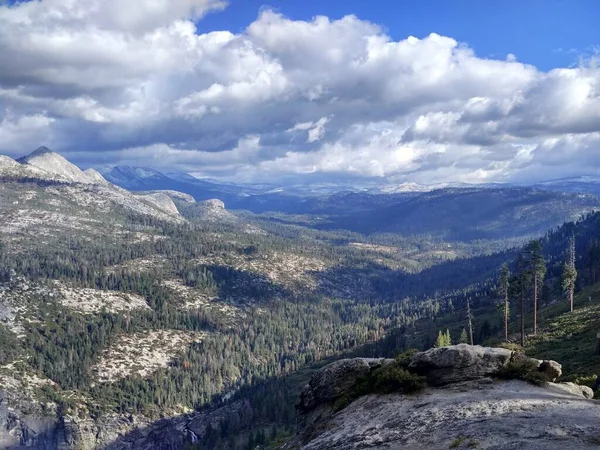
(465, 406)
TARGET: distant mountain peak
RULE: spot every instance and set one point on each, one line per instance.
(40, 151)
(55, 164)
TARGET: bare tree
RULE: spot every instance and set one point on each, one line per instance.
(569, 274)
(503, 290)
(522, 280)
(470, 319)
(537, 269)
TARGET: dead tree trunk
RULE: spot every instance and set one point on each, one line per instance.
(470, 317)
(572, 268)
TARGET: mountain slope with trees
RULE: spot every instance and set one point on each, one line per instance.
(248, 304)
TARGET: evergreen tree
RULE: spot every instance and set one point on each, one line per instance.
(443, 339)
(463, 337)
(503, 291)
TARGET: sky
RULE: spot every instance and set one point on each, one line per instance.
(428, 92)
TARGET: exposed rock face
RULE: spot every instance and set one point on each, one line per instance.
(85, 188)
(12, 169)
(161, 201)
(18, 431)
(42, 428)
(482, 414)
(463, 408)
(214, 211)
(241, 411)
(177, 196)
(95, 177)
(335, 380)
(457, 363)
(45, 159)
(213, 204)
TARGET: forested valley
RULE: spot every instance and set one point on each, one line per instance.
(254, 305)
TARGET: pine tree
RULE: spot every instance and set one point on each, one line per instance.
(569, 274)
(503, 291)
(463, 337)
(441, 339)
(537, 269)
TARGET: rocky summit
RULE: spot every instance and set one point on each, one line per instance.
(468, 404)
(45, 159)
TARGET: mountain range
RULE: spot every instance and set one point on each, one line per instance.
(142, 178)
(449, 213)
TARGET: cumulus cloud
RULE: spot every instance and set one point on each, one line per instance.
(111, 81)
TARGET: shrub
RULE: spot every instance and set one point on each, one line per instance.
(393, 378)
(460, 440)
(344, 401)
(384, 380)
(523, 369)
(512, 347)
(403, 359)
(457, 442)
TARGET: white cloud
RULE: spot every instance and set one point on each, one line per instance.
(107, 80)
(24, 130)
(316, 130)
(136, 16)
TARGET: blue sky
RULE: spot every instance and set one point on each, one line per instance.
(545, 33)
(301, 90)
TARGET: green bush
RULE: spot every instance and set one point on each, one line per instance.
(388, 379)
(393, 378)
(523, 369)
(512, 347)
(403, 359)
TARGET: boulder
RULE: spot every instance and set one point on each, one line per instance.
(335, 380)
(458, 363)
(572, 388)
(551, 369)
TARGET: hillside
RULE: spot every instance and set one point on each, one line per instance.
(571, 337)
(469, 214)
(118, 308)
